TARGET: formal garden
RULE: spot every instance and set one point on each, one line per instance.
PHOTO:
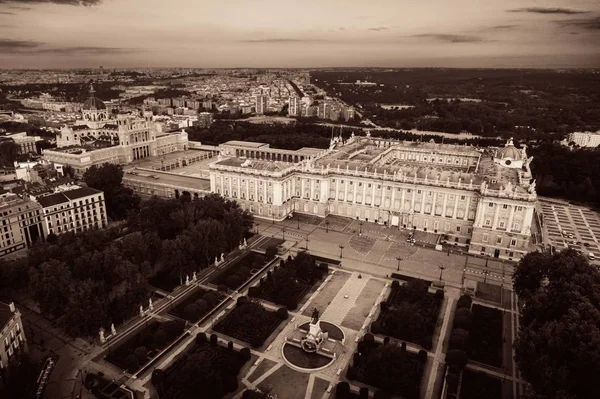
(103, 388)
(237, 273)
(456, 356)
(197, 305)
(388, 366)
(250, 322)
(142, 347)
(207, 370)
(485, 338)
(476, 385)
(410, 313)
(344, 391)
(289, 282)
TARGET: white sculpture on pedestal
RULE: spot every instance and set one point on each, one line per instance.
(194, 277)
(222, 257)
(102, 338)
(112, 329)
(150, 305)
(141, 311)
(187, 279)
(315, 337)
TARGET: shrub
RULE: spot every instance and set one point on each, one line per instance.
(253, 292)
(439, 294)
(191, 311)
(233, 281)
(269, 276)
(210, 298)
(351, 373)
(363, 393)
(464, 302)
(386, 340)
(404, 346)
(158, 376)
(201, 338)
(452, 380)
(369, 339)
(242, 300)
(271, 252)
(256, 342)
(376, 327)
(456, 357)
(230, 345)
(132, 362)
(342, 390)
(282, 313)
(214, 340)
(395, 284)
(222, 288)
(463, 319)
(160, 338)
(202, 305)
(324, 268)
(384, 305)
(379, 394)
(423, 356)
(458, 341)
(245, 354)
(141, 353)
(291, 305)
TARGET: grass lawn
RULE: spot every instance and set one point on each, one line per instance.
(485, 341)
(264, 366)
(324, 298)
(364, 303)
(286, 383)
(476, 385)
(319, 388)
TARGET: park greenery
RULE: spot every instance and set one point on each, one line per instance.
(288, 283)
(456, 357)
(136, 351)
(388, 366)
(485, 335)
(207, 370)
(236, 274)
(197, 305)
(108, 178)
(478, 384)
(526, 104)
(250, 322)
(91, 279)
(409, 313)
(558, 346)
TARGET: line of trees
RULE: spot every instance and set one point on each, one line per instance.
(91, 279)
(558, 346)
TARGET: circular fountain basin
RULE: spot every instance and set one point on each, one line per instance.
(303, 361)
(333, 331)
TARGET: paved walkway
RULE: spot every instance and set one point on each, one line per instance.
(345, 299)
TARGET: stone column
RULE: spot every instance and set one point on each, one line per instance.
(495, 220)
(435, 194)
(510, 218)
(467, 207)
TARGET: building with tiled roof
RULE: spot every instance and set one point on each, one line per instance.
(12, 335)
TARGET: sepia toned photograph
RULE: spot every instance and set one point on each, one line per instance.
(324, 199)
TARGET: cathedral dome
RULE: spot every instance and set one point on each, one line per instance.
(92, 104)
(509, 151)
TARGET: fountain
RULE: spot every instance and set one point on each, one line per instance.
(313, 345)
(312, 342)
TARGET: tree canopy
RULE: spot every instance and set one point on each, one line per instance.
(108, 178)
(558, 347)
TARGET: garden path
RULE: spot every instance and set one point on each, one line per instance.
(345, 299)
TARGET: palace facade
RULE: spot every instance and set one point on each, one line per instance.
(480, 198)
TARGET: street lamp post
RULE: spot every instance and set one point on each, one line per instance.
(360, 224)
(307, 240)
(283, 234)
(327, 226)
(398, 259)
(442, 268)
(485, 274)
(341, 248)
(298, 220)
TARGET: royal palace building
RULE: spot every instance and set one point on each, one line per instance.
(100, 137)
(479, 198)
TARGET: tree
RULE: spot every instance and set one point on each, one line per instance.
(50, 286)
(86, 310)
(106, 177)
(9, 151)
(558, 347)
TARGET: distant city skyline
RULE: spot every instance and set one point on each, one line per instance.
(309, 34)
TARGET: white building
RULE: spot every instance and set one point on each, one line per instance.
(262, 102)
(12, 335)
(75, 210)
(584, 139)
(295, 106)
(21, 223)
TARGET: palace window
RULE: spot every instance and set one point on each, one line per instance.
(488, 222)
(490, 204)
(504, 206)
(513, 242)
(498, 240)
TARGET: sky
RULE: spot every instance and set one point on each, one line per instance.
(303, 34)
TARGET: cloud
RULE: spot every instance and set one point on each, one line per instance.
(64, 2)
(379, 29)
(584, 23)
(15, 46)
(446, 38)
(549, 10)
(282, 40)
(10, 46)
(6, 13)
(502, 27)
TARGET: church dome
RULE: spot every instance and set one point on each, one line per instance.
(509, 151)
(92, 103)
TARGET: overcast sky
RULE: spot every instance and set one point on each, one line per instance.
(299, 33)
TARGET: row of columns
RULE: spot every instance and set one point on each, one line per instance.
(141, 152)
(269, 156)
(481, 216)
